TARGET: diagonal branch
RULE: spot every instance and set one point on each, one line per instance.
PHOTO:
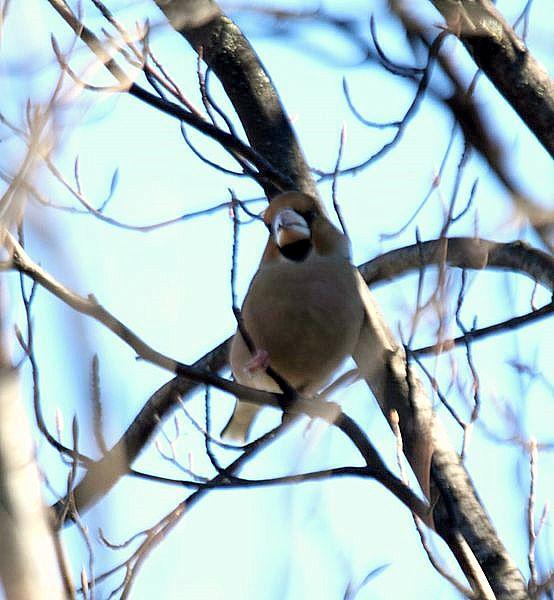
(245, 80)
(506, 61)
(268, 175)
(476, 334)
(23, 263)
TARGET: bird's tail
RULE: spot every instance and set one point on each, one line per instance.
(238, 426)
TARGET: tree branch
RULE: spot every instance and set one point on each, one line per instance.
(506, 61)
(477, 334)
(28, 566)
(248, 85)
(269, 176)
(465, 253)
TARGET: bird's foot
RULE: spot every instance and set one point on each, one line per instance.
(260, 361)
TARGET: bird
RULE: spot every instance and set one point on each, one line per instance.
(304, 310)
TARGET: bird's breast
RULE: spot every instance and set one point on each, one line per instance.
(306, 316)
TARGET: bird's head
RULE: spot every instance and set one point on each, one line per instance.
(297, 226)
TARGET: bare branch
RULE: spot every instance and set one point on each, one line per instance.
(28, 566)
(505, 59)
(266, 171)
(406, 119)
(466, 253)
(474, 334)
(230, 56)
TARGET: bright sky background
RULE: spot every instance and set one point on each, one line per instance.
(171, 286)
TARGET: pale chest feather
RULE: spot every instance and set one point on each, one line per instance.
(307, 316)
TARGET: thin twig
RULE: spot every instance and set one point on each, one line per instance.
(334, 184)
(395, 68)
(434, 185)
(412, 109)
(265, 171)
(475, 334)
(531, 500)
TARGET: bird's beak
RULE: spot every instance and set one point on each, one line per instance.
(289, 227)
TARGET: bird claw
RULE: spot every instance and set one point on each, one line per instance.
(260, 361)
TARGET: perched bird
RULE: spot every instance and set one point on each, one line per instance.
(303, 311)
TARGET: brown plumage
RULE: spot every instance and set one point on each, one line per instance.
(303, 309)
